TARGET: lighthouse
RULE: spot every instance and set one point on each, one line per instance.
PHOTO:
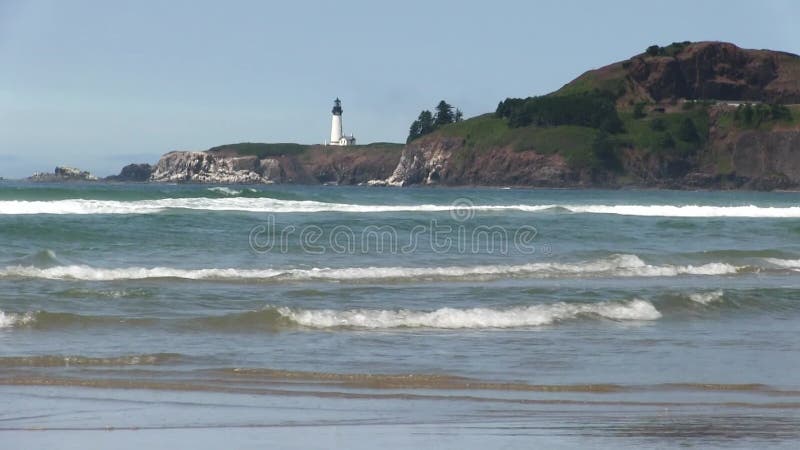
(337, 137)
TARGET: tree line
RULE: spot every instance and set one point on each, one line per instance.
(428, 122)
(593, 110)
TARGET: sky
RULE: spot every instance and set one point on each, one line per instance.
(100, 84)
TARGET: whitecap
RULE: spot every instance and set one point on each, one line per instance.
(614, 266)
(8, 320)
(225, 190)
(704, 298)
(453, 318)
(784, 263)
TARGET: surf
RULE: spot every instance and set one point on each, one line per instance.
(613, 266)
(231, 200)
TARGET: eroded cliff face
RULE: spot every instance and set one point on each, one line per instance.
(350, 166)
(204, 167)
(718, 70)
(425, 161)
(762, 160)
(317, 164)
(447, 161)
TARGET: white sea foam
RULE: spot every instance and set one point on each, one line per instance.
(689, 210)
(85, 206)
(526, 316)
(82, 206)
(225, 190)
(785, 263)
(704, 298)
(614, 266)
(8, 320)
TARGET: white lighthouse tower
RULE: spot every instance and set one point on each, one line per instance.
(337, 137)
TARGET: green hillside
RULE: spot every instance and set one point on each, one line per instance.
(630, 105)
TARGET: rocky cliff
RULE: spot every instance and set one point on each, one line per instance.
(698, 70)
(730, 159)
(203, 167)
(277, 163)
(447, 161)
(718, 70)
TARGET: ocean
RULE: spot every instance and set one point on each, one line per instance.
(170, 316)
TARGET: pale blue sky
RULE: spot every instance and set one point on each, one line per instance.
(99, 84)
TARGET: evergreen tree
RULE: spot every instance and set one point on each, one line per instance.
(426, 122)
(444, 114)
(422, 126)
(414, 131)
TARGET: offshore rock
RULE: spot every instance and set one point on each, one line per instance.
(63, 173)
(133, 172)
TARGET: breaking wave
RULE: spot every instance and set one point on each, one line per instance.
(613, 266)
(784, 263)
(8, 320)
(704, 298)
(747, 211)
(453, 318)
(233, 201)
(231, 192)
(274, 318)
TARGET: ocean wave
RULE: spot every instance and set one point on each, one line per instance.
(8, 320)
(784, 263)
(745, 211)
(230, 192)
(453, 318)
(613, 266)
(234, 202)
(276, 318)
(106, 293)
(705, 298)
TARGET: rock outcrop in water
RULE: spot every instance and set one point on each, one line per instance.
(63, 173)
(133, 172)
